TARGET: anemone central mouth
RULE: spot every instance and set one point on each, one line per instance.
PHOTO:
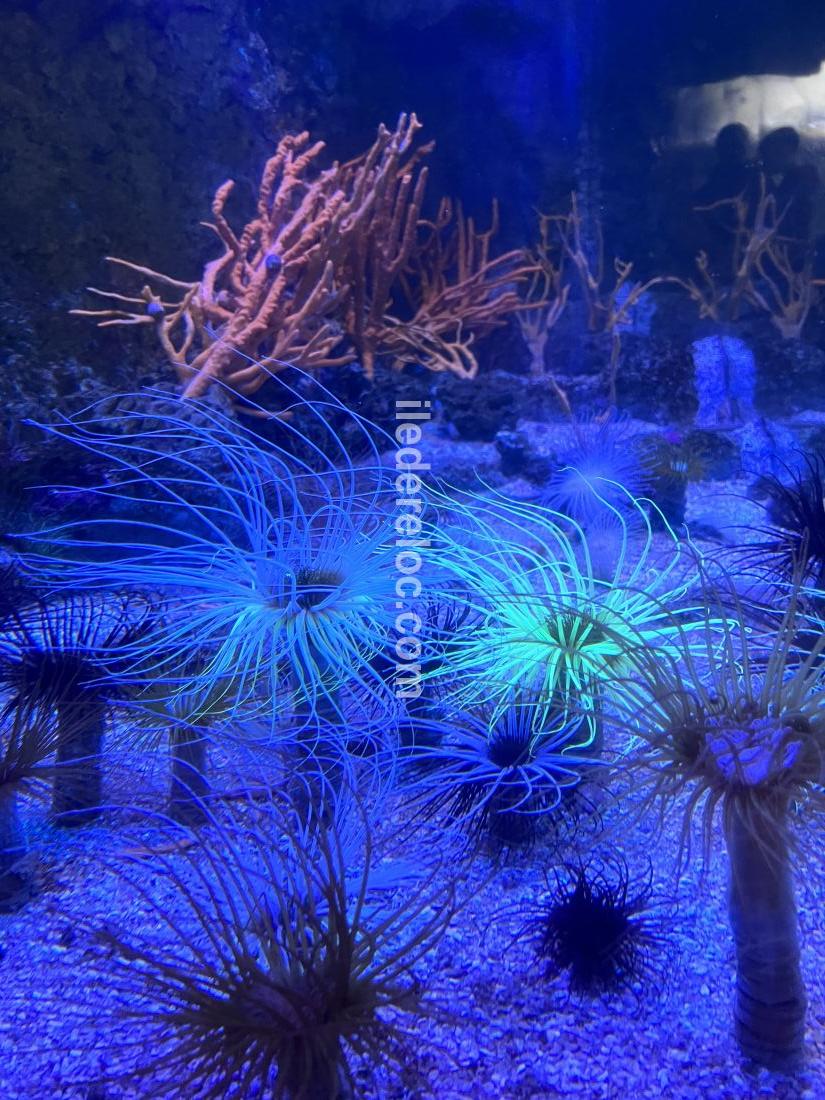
(314, 586)
(574, 632)
(508, 750)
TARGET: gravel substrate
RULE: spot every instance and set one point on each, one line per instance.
(510, 1033)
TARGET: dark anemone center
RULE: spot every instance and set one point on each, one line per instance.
(272, 1004)
(584, 935)
(599, 913)
(48, 675)
(688, 739)
(510, 747)
(573, 631)
(594, 928)
(313, 586)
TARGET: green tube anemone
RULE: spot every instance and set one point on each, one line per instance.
(564, 614)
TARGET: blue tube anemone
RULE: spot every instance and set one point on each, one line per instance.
(503, 773)
(602, 459)
(277, 572)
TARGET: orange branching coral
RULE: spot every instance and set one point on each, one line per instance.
(391, 191)
(457, 292)
(315, 264)
(312, 280)
(267, 298)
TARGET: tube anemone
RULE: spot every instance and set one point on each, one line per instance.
(280, 571)
(29, 737)
(504, 774)
(602, 460)
(68, 655)
(598, 925)
(796, 509)
(740, 727)
(286, 953)
(185, 725)
(422, 686)
(566, 614)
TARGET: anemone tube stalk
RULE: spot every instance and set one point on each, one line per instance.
(770, 994)
(15, 887)
(189, 786)
(78, 782)
(28, 743)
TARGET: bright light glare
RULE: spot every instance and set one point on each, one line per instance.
(760, 102)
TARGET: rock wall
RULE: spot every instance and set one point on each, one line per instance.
(119, 121)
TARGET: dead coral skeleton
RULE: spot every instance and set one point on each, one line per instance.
(609, 307)
(767, 272)
(545, 301)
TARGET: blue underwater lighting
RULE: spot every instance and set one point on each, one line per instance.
(412, 550)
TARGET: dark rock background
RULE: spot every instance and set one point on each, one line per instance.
(120, 118)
